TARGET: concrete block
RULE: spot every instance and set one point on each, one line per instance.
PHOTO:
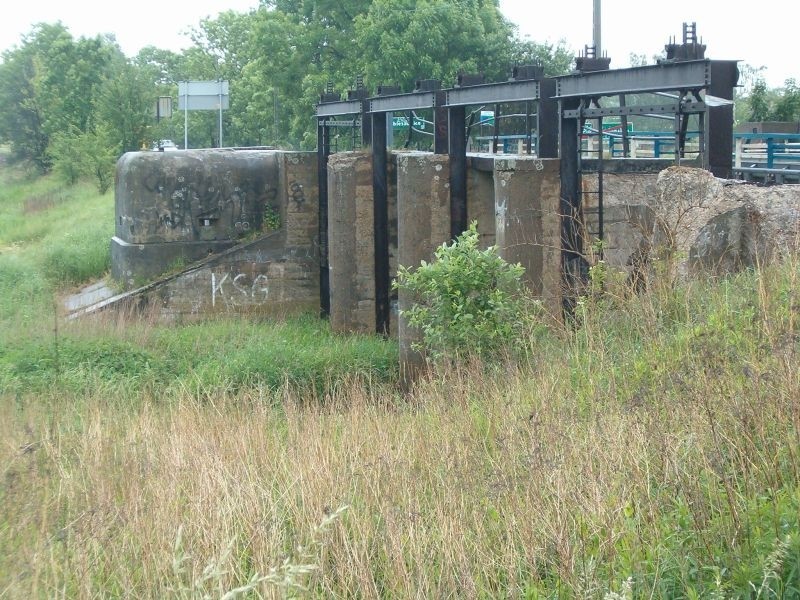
(528, 223)
(351, 242)
(423, 208)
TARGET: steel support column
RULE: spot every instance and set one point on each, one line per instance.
(380, 222)
(440, 126)
(458, 169)
(323, 151)
(547, 120)
(570, 206)
(626, 143)
(719, 140)
(366, 125)
(496, 130)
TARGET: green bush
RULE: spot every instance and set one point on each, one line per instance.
(468, 302)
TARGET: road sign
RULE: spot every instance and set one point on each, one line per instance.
(203, 95)
(402, 122)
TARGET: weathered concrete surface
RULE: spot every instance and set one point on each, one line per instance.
(711, 225)
(628, 216)
(195, 206)
(298, 199)
(423, 208)
(528, 223)
(480, 196)
(88, 295)
(351, 235)
(351, 242)
(178, 207)
(720, 226)
(264, 276)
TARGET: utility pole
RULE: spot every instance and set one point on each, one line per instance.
(596, 36)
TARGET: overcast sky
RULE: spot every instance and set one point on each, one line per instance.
(759, 33)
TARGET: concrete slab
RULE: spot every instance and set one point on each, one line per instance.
(91, 294)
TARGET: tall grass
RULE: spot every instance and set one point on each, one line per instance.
(53, 238)
(651, 452)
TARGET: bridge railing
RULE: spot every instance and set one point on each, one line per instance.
(767, 150)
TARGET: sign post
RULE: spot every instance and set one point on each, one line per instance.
(202, 95)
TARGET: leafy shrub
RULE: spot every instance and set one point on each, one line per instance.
(468, 301)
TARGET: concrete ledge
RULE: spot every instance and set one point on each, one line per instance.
(135, 263)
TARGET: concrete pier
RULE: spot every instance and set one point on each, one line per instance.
(423, 208)
(527, 221)
(351, 239)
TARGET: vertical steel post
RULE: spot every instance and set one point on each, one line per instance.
(570, 206)
(323, 152)
(677, 137)
(366, 125)
(597, 29)
(440, 125)
(547, 118)
(600, 207)
(220, 113)
(626, 143)
(724, 77)
(458, 169)
(528, 133)
(380, 221)
(496, 130)
(186, 116)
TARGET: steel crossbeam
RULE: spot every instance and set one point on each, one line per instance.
(335, 109)
(689, 75)
(616, 111)
(402, 102)
(490, 93)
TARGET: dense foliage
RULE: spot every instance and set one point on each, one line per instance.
(60, 95)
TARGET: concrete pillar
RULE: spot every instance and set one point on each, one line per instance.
(528, 223)
(351, 242)
(480, 197)
(423, 207)
(299, 187)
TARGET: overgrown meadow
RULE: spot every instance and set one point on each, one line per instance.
(652, 450)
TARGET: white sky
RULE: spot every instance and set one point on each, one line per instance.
(759, 33)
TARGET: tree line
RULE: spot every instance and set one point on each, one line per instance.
(75, 105)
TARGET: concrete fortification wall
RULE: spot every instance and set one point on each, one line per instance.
(528, 224)
(179, 207)
(248, 220)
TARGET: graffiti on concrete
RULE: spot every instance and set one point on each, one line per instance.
(189, 203)
(298, 195)
(239, 289)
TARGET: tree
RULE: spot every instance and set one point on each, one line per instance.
(404, 40)
(48, 85)
(556, 59)
(22, 97)
(91, 155)
(759, 102)
(787, 108)
(777, 104)
(124, 106)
